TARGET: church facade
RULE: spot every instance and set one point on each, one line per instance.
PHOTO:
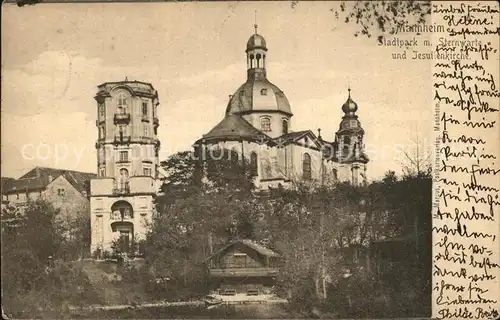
(257, 125)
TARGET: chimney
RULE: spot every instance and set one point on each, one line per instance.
(50, 178)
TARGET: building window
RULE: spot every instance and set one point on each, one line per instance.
(144, 108)
(102, 132)
(101, 110)
(284, 124)
(335, 174)
(263, 92)
(123, 156)
(146, 170)
(306, 167)
(122, 103)
(102, 171)
(61, 192)
(265, 124)
(253, 163)
(17, 196)
(146, 130)
(123, 179)
(345, 151)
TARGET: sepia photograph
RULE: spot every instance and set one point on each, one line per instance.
(228, 160)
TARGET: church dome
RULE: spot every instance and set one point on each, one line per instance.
(350, 106)
(258, 95)
(256, 41)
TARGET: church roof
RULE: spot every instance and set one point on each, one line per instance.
(293, 135)
(258, 94)
(233, 126)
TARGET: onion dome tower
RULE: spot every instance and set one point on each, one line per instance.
(349, 139)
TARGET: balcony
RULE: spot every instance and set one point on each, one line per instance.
(244, 272)
(122, 139)
(121, 188)
(123, 118)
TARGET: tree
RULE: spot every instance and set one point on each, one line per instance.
(380, 18)
(33, 276)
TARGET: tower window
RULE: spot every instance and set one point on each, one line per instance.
(265, 124)
(102, 132)
(123, 156)
(146, 170)
(284, 124)
(102, 171)
(345, 151)
(144, 108)
(122, 103)
(101, 110)
(347, 140)
(146, 130)
(101, 155)
(263, 92)
(306, 167)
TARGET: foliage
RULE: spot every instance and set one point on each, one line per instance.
(313, 227)
(34, 244)
(187, 175)
(380, 18)
(76, 231)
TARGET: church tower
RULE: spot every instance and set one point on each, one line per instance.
(127, 160)
(349, 139)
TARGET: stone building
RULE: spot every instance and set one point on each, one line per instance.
(258, 125)
(66, 190)
(127, 160)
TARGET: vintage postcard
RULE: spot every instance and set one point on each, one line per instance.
(250, 160)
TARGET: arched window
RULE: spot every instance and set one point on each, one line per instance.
(306, 167)
(234, 155)
(258, 60)
(121, 210)
(253, 163)
(123, 178)
(265, 124)
(345, 151)
(347, 140)
(284, 124)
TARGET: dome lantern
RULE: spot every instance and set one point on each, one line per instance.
(256, 55)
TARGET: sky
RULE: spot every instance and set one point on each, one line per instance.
(55, 55)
